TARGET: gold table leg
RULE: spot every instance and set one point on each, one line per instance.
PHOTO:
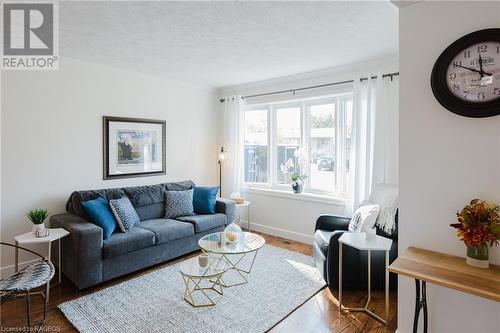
(189, 291)
(235, 266)
(365, 307)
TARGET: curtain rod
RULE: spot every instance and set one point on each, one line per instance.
(391, 75)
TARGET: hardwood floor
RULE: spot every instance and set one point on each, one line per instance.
(318, 314)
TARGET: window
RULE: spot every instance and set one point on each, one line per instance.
(256, 151)
(322, 147)
(288, 140)
(312, 136)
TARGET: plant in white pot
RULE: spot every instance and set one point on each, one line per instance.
(293, 168)
(37, 216)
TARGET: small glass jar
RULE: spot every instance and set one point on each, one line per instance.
(232, 233)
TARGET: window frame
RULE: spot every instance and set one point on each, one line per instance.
(341, 181)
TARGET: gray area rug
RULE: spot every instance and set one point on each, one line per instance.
(280, 281)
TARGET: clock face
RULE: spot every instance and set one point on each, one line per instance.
(474, 73)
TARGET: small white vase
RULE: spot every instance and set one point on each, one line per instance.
(37, 227)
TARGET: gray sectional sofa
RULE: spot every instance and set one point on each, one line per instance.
(89, 260)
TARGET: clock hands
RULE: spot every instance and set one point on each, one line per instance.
(481, 66)
(475, 70)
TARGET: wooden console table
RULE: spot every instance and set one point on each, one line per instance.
(446, 271)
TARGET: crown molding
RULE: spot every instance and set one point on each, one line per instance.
(403, 3)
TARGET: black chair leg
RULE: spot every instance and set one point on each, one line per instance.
(28, 310)
(45, 304)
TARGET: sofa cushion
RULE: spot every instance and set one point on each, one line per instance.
(74, 204)
(148, 201)
(322, 240)
(121, 243)
(204, 222)
(167, 230)
(179, 186)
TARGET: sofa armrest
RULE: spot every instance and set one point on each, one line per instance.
(227, 207)
(332, 222)
(82, 259)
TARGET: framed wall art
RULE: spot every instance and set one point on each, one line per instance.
(133, 147)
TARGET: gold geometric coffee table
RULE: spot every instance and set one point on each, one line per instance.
(240, 256)
(202, 285)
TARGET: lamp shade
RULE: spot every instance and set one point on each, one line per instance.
(222, 154)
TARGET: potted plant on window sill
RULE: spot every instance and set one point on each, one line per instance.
(293, 168)
(479, 228)
(37, 216)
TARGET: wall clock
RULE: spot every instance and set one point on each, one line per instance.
(466, 77)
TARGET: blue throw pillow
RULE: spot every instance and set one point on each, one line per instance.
(125, 213)
(99, 212)
(204, 199)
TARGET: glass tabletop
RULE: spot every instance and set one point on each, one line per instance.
(248, 242)
(192, 268)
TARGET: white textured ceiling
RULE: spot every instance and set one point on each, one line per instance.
(226, 43)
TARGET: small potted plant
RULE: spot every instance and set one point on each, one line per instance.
(293, 169)
(37, 216)
(479, 228)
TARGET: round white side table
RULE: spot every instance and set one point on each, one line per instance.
(242, 206)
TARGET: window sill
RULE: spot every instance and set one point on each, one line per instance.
(312, 197)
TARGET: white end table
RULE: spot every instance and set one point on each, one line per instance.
(55, 235)
(358, 241)
(241, 206)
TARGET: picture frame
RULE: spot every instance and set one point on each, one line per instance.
(133, 147)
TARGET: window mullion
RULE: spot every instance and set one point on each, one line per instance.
(340, 137)
(306, 131)
(338, 144)
(272, 146)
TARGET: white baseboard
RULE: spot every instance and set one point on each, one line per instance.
(292, 235)
(9, 270)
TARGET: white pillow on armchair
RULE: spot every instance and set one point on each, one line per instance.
(364, 218)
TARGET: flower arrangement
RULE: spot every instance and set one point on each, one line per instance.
(293, 168)
(478, 226)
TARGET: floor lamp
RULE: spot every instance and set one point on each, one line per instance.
(220, 161)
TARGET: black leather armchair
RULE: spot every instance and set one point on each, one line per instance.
(328, 230)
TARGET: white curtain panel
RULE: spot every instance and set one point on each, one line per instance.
(232, 143)
(374, 157)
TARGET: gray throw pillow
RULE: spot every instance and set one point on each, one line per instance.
(178, 203)
(124, 213)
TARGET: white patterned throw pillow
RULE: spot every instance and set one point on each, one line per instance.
(178, 203)
(125, 214)
(364, 218)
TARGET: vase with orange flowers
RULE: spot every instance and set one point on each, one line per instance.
(479, 228)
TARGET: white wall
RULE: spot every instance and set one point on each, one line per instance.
(286, 215)
(51, 132)
(445, 160)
